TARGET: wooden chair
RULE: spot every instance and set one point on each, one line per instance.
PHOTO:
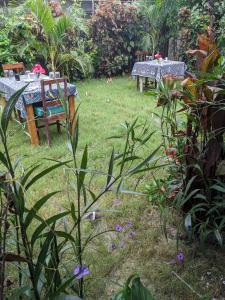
(52, 111)
(17, 67)
(142, 55)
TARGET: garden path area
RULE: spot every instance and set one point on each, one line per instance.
(103, 108)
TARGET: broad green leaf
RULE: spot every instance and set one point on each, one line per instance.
(139, 292)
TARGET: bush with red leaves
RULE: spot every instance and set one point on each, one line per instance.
(116, 31)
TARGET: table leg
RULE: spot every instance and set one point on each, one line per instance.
(138, 82)
(141, 84)
(31, 125)
(72, 111)
(146, 82)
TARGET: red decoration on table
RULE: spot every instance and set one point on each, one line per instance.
(158, 55)
(38, 69)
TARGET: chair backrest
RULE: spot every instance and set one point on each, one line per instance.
(18, 67)
(52, 99)
(142, 55)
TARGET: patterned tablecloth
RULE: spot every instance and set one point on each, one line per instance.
(32, 94)
(157, 70)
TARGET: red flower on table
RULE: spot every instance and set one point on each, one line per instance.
(38, 69)
(158, 55)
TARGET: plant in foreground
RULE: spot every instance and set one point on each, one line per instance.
(40, 249)
(133, 290)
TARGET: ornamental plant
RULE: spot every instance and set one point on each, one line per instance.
(195, 150)
(116, 31)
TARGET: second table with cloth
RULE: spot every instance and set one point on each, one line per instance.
(156, 69)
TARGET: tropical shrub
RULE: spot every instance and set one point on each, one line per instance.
(16, 39)
(194, 18)
(116, 31)
(159, 23)
(53, 40)
(196, 150)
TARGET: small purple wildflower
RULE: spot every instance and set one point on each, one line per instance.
(180, 257)
(132, 234)
(112, 247)
(81, 271)
(119, 228)
(129, 224)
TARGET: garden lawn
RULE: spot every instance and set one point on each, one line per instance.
(104, 107)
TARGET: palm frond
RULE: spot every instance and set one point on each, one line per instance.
(60, 26)
(43, 13)
(76, 61)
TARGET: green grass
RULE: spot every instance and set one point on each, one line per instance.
(103, 108)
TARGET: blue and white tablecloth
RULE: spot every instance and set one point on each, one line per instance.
(32, 94)
(156, 69)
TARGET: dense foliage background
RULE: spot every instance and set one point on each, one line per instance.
(116, 31)
(109, 39)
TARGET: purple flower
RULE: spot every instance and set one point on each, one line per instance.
(119, 228)
(81, 271)
(180, 257)
(132, 234)
(129, 224)
(112, 247)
